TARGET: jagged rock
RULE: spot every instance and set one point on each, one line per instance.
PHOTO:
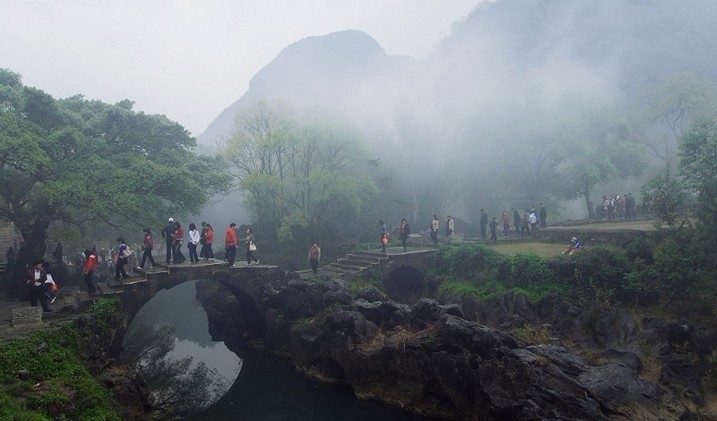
(335, 292)
(453, 310)
(427, 309)
(430, 359)
(296, 303)
(352, 323)
(371, 294)
(386, 314)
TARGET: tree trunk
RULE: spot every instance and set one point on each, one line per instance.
(35, 238)
(591, 211)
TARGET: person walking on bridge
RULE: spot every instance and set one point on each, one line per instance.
(147, 248)
(168, 235)
(122, 257)
(208, 241)
(88, 269)
(230, 240)
(404, 231)
(250, 247)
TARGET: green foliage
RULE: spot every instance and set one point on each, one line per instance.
(300, 174)
(481, 272)
(59, 384)
(104, 309)
(533, 335)
(599, 151)
(673, 103)
(698, 165)
(360, 283)
(602, 264)
(594, 299)
(666, 196)
(87, 165)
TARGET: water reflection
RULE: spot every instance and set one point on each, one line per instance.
(169, 345)
(269, 389)
(257, 386)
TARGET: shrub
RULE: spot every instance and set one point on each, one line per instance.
(59, 386)
(104, 309)
(603, 264)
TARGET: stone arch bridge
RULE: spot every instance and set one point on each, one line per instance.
(403, 277)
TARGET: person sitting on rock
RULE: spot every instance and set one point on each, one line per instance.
(575, 246)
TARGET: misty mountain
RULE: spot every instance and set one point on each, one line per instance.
(485, 114)
(343, 69)
(612, 47)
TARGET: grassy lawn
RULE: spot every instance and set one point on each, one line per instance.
(541, 249)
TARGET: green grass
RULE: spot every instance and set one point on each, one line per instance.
(537, 248)
(58, 386)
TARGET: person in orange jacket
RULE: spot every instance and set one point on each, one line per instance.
(88, 269)
(230, 240)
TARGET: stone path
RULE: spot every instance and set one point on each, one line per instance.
(18, 317)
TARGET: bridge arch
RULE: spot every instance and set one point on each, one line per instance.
(405, 284)
(246, 284)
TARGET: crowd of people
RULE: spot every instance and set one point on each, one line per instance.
(615, 206)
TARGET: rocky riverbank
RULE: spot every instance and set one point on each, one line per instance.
(507, 358)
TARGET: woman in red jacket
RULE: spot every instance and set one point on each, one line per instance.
(88, 269)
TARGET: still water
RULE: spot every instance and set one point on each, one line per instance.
(258, 386)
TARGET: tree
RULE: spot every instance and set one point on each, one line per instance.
(301, 174)
(599, 151)
(672, 104)
(698, 166)
(87, 164)
(665, 195)
(178, 386)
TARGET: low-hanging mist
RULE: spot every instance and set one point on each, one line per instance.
(515, 101)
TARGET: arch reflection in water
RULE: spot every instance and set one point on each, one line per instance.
(169, 343)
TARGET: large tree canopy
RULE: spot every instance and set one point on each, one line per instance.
(298, 175)
(698, 165)
(599, 151)
(87, 164)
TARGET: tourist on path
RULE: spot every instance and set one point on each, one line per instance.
(435, 225)
(121, 260)
(383, 236)
(250, 247)
(516, 220)
(193, 243)
(230, 241)
(88, 269)
(505, 219)
(450, 226)
(533, 220)
(202, 237)
(35, 280)
(177, 244)
(543, 215)
(314, 256)
(57, 254)
(168, 235)
(404, 231)
(208, 241)
(493, 229)
(483, 224)
(147, 247)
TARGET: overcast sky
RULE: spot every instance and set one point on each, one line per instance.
(190, 59)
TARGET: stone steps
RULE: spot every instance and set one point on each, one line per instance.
(352, 265)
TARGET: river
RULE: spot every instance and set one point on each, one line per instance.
(254, 386)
